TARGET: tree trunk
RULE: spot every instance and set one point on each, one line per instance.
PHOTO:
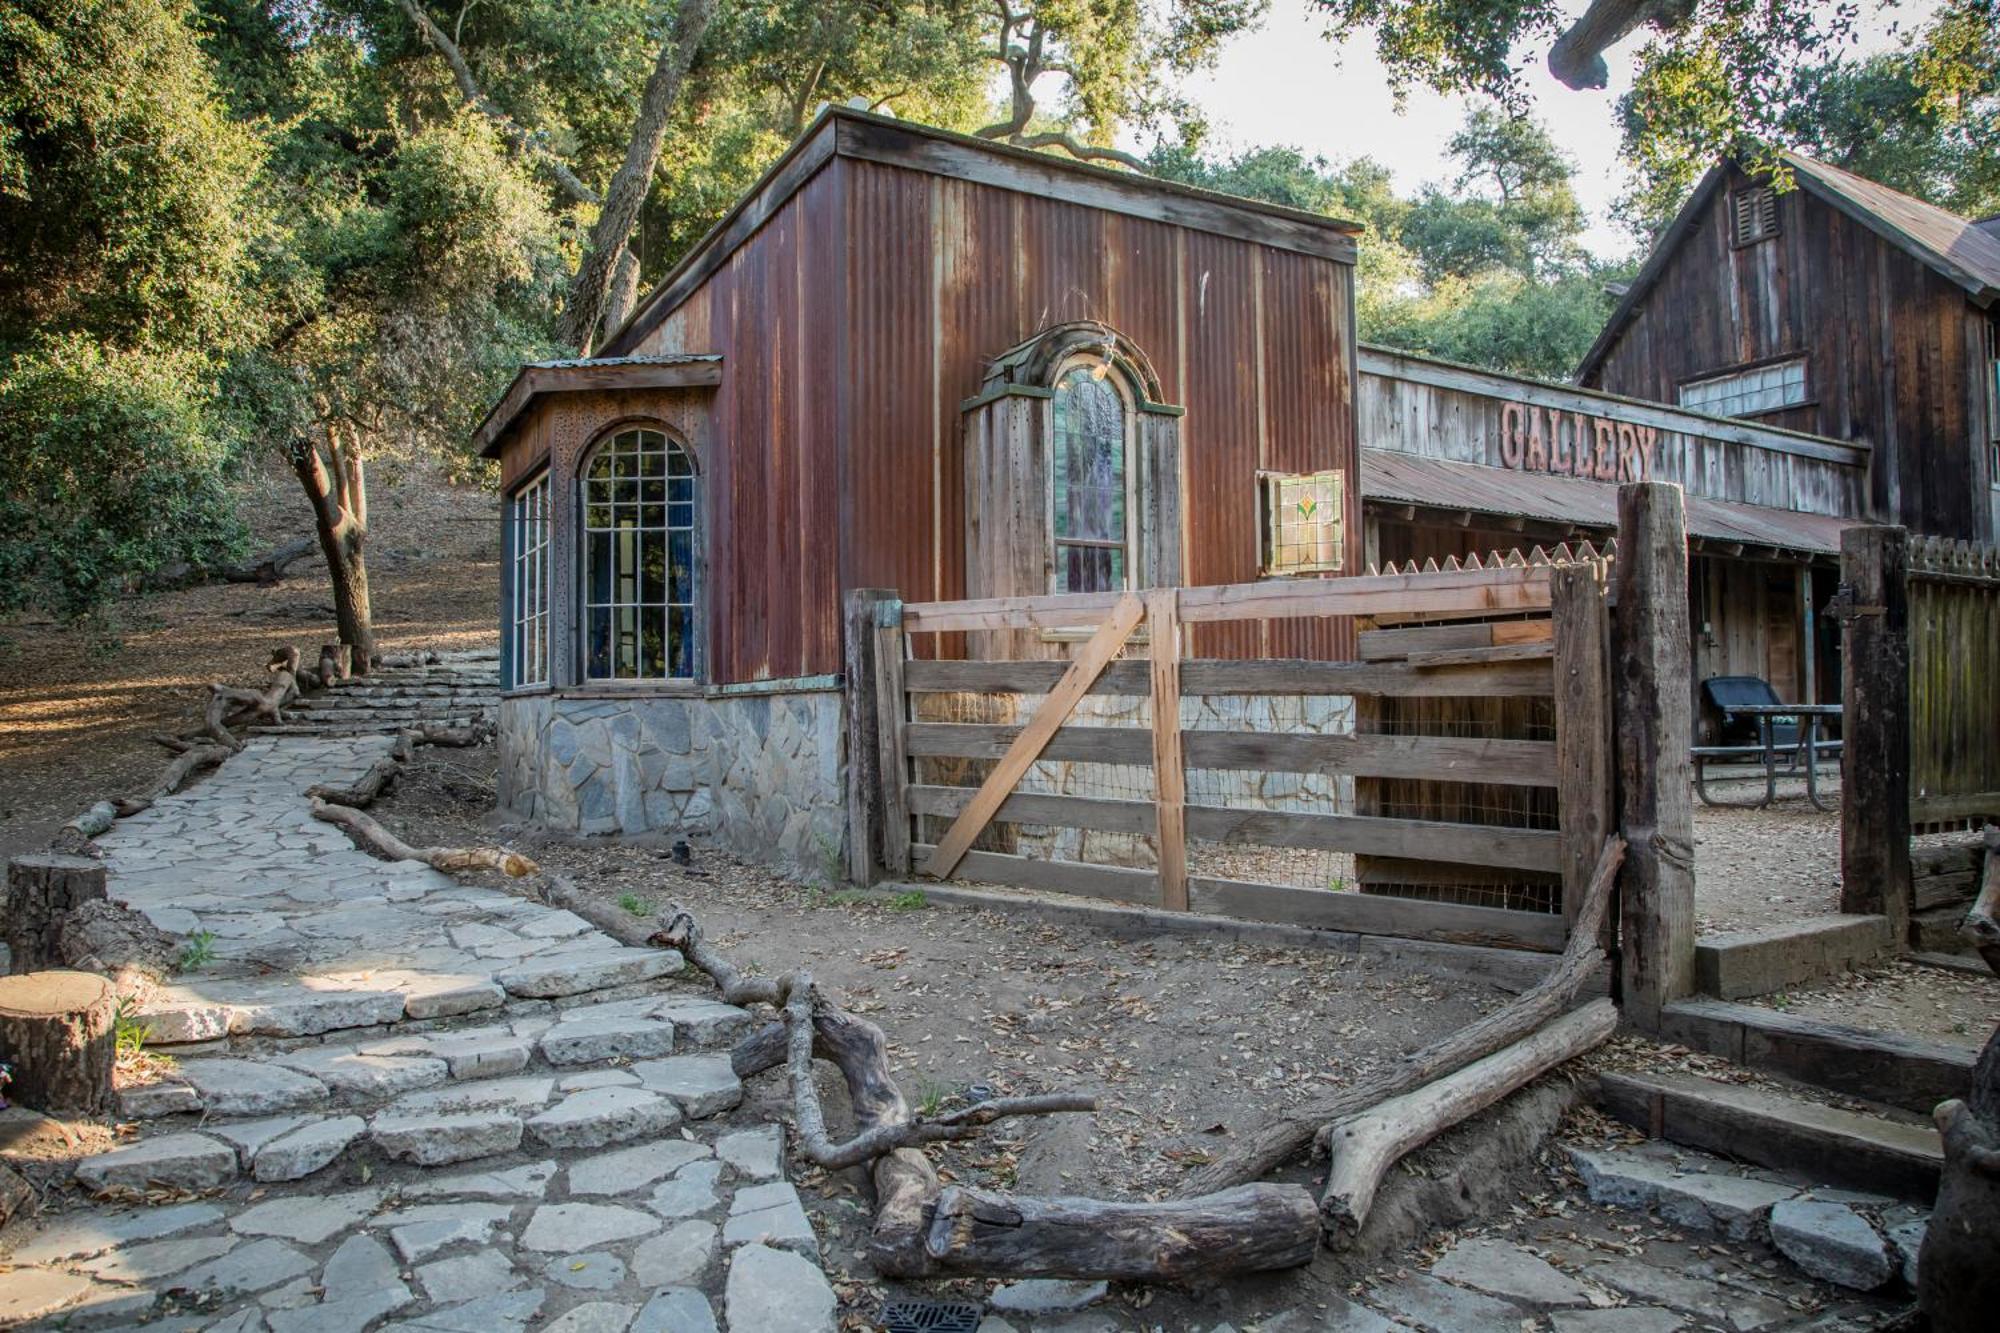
(59, 1032)
(337, 487)
(41, 893)
(588, 290)
(1958, 1283)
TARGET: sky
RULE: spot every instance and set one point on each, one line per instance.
(1286, 85)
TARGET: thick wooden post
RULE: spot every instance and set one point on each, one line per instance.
(1875, 725)
(42, 891)
(1584, 780)
(891, 711)
(864, 736)
(1163, 623)
(1653, 710)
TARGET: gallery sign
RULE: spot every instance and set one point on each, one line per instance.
(1575, 444)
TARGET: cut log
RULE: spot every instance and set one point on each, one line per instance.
(42, 891)
(1366, 1146)
(1249, 1229)
(58, 1030)
(17, 1197)
(1958, 1284)
(336, 662)
(1267, 1146)
(98, 819)
(372, 837)
(115, 941)
(453, 738)
(364, 789)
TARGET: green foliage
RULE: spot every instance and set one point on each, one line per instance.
(911, 901)
(128, 200)
(128, 1030)
(113, 471)
(198, 952)
(634, 904)
(1489, 272)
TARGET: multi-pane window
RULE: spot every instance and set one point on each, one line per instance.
(1091, 475)
(1748, 393)
(530, 517)
(639, 559)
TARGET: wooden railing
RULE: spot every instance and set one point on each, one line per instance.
(1556, 649)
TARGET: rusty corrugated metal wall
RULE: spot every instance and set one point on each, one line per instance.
(858, 318)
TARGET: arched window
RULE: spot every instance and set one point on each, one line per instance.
(1091, 479)
(639, 559)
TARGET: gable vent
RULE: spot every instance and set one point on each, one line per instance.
(1756, 213)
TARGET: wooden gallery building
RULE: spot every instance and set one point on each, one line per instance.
(917, 361)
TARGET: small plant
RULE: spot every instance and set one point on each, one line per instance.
(931, 1097)
(1339, 884)
(199, 951)
(832, 863)
(846, 898)
(128, 1030)
(634, 904)
(913, 901)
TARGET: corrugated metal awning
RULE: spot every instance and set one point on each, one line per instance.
(1435, 483)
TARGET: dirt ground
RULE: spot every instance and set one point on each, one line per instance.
(1756, 868)
(1902, 997)
(78, 702)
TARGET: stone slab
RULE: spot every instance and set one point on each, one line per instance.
(517, 1182)
(1736, 1206)
(1775, 958)
(177, 1161)
(37, 1293)
(1422, 1299)
(84, 1234)
(595, 970)
(583, 1038)
(446, 1137)
(600, 1116)
(305, 1218)
(677, 1257)
(311, 1147)
(426, 1230)
(354, 1076)
(754, 1154)
(251, 1087)
(1043, 1295)
(701, 1085)
(775, 1291)
(627, 1170)
(465, 1277)
(690, 1191)
(1501, 1269)
(1832, 1242)
(675, 1310)
(770, 1215)
(593, 1317)
(566, 1228)
(253, 1266)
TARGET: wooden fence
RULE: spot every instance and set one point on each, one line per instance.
(1920, 620)
(1557, 652)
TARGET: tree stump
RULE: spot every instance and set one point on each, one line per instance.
(58, 1030)
(41, 893)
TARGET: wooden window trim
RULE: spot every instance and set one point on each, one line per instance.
(1129, 426)
(696, 617)
(543, 617)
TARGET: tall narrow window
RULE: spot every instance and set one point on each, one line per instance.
(1091, 476)
(530, 517)
(639, 559)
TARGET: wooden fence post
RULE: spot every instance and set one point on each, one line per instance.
(1873, 607)
(1584, 779)
(864, 737)
(1163, 623)
(1653, 709)
(891, 711)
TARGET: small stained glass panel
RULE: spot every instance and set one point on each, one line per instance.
(1305, 523)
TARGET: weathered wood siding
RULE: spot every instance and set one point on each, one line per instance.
(855, 321)
(1438, 410)
(1888, 343)
(772, 480)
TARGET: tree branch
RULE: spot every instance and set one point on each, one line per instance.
(524, 139)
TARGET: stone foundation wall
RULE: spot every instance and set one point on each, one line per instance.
(760, 775)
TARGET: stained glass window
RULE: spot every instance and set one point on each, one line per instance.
(1304, 523)
(1090, 473)
(639, 559)
(530, 516)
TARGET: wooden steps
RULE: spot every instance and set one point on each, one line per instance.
(1906, 1072)
(1896, 1155)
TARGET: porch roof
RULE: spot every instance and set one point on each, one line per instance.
(1436, 483)
(684, 370)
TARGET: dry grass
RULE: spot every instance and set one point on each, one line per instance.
(78, 702)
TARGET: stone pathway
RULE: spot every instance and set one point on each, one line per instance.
(401, 1102)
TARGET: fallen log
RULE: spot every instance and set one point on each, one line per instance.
(1958, 1284)
(270, 567)
(1364, 1147)
(1264, 1147)
(452, 738)
(1982, 920)
(287, 659)
(364, 789)
(93, 821)
(1249, 1229)
(268, 702)
(175, 776)
(372, 837)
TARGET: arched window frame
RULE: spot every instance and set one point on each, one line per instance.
(674, 519)
(1108, 372)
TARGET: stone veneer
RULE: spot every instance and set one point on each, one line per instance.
(759, 774)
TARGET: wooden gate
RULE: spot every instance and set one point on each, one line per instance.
(1920, 635)
(1546, 638)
